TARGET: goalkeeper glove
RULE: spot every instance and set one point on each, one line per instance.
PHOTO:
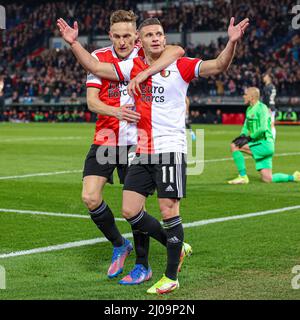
(241, 141)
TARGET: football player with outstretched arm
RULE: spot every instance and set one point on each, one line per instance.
(160, 162)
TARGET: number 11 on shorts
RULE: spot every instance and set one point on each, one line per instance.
(171, 172)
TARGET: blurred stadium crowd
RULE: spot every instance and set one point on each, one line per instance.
(28, 72)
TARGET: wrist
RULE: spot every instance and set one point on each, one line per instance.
(231, 42)
(73, 43)
(149, 72)
(115, 112)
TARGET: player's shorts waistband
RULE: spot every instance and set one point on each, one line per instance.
(160, 158)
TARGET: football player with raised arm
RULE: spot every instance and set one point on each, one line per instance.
(116, 130)
(160, 162)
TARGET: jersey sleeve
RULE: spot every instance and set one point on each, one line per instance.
(123, 69)
(189, 68)
(93, 81)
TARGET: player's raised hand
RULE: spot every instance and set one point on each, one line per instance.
(69, 34)
(236, 32)
(134, 85)
(126, 113)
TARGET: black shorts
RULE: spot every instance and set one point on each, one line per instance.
(103, 160)
(166, 174)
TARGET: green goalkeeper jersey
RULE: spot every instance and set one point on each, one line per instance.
(258, 123)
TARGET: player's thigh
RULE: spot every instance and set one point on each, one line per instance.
(125, 156)
(132, 203)
(139, 179)
(262, 149)
(138, 185)
(169, 208)
(246, 149)
(94, 165)
(264, 166)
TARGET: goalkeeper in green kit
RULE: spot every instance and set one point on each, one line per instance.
(257, 140)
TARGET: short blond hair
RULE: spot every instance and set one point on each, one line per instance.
(123, 16)
(254, 92)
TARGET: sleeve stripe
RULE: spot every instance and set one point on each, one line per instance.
(118, 72)
(197, 68)
(94, 85)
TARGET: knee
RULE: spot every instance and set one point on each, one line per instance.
(233, 147)
(129, 212)
(168, 211)
(91, 200)
(266, 178)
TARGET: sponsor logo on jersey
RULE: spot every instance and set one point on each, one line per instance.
(165, 73)
(117, 89)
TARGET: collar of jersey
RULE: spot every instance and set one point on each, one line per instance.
(131, 55)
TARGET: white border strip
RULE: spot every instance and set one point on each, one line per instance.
(41, 139)
(42, 174)
(52, 214)
(246, 157)
(77, 244)
(63, 246)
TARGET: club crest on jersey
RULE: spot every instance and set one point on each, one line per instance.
(165, 73)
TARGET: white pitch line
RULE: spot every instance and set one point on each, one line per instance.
(63, 246)
(238, 217)
(77, 171)
(52, 214)
(77, 244)
(42, 174)
(246, 157)
(41, 139)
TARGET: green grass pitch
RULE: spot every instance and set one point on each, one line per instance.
(239, 259)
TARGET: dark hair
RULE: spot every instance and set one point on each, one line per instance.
(123, 16)
(149, 22)
(268, 74)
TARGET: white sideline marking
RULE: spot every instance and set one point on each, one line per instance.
(42, 174)
(41, 139)
(129, 235)
(52, 214)
(246, 157)
(77, 171)
(63, 246)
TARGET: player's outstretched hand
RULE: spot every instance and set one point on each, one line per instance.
(236, 32)
(134, 85)
(241, 141)
(69, 34)
(126, 113)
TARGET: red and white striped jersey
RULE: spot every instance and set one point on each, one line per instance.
(161, 103)
(109, 130)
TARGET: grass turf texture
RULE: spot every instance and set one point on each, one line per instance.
(242, 259)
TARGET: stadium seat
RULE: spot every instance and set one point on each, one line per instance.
(233, 118)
